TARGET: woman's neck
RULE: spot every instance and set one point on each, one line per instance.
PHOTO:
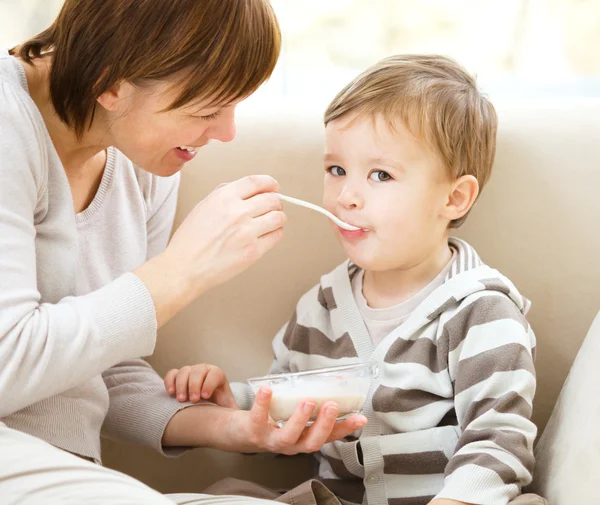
(383, 289)
(73, 152)
(83, 159)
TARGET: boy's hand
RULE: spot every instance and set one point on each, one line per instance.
(206, 382)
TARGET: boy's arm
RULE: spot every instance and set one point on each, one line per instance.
(491, 366)
(242, 392)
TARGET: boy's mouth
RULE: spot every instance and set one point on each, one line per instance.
(354, 234)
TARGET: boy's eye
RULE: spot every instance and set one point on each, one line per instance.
(380, 176)
(337, 171)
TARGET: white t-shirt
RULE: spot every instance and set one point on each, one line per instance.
(381, 322)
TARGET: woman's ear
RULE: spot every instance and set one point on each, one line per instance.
(463, 193)
(113, 98)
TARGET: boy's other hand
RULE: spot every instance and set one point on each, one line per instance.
(200, 382)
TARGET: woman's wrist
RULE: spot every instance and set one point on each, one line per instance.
(206, 426)
(169, 285)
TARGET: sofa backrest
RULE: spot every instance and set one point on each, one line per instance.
(536, 221)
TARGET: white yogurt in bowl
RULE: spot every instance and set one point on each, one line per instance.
(347, 385)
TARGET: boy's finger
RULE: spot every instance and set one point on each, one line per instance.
(170, 381)
(181, 383)
(195, 383)
(225, 398)
(227, 392)
(214, 379)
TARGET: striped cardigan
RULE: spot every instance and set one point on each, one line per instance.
(449, 410)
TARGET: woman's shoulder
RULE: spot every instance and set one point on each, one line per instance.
(8, 70)
(22, 137)
(14, 96)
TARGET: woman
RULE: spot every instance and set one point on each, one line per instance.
(99, 113)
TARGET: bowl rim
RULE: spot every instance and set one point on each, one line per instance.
(314, 371)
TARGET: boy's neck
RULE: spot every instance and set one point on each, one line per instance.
(390, 287)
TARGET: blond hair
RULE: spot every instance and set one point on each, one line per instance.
(439, 103)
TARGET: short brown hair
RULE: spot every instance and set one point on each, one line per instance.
(222, 49)
(439, 103)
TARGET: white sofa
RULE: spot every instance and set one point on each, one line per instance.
(537, 221)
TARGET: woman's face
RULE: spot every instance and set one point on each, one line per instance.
(160, 141)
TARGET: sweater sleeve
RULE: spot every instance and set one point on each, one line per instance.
(139, 407)
(491, 366)
(48, 348)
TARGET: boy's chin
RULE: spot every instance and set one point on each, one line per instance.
(362, 262)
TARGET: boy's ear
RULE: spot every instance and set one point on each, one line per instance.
(463, 194)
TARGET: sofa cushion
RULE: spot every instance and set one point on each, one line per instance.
(568, 453)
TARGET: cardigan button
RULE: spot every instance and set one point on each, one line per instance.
(373, 479)
(376, 372)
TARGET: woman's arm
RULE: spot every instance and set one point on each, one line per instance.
(253, 431)
(223, 235)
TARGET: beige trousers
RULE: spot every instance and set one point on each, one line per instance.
(33, 472)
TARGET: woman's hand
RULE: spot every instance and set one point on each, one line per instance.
(254, 431)
(222, 236)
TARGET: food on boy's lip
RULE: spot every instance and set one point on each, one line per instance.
(347, 386)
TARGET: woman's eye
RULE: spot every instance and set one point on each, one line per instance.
(337, 171)
(380, 176)
(214, 115)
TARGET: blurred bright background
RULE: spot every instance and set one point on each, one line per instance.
(519, 49)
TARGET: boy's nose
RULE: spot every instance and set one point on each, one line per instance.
(350, 198)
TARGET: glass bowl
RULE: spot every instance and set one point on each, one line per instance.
(347, 385)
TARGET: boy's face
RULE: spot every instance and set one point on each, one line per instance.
(391, 186)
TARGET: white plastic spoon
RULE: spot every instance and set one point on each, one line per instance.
(312, 206)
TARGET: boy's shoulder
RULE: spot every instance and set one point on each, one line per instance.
(470, 279)
(485, 301)
(321, 297)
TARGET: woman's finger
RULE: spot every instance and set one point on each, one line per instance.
(262, 204)
(317, 435)
(287, 437)
(170, 381)
(252, 185)
(346, 427)
(196, 382)
(269, 223)
(259, 413)
(181, 383)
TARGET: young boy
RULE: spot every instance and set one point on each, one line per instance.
(409, 145)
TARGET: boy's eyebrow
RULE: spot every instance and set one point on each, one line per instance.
(377, 160)
(386, 161)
